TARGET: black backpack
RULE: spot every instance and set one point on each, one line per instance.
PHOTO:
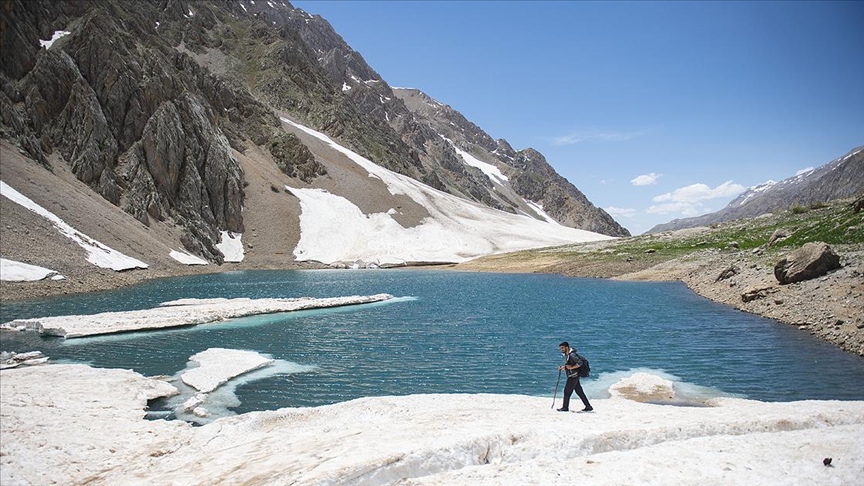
(584, 368)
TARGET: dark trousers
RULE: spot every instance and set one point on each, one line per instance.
(573, 384)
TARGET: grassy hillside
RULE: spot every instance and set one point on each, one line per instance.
(835, 223)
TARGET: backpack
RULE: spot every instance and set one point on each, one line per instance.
(584, 368)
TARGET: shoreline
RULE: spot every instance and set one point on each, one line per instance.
(831, 307)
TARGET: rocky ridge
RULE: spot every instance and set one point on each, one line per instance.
(527, 174)
(139, 122)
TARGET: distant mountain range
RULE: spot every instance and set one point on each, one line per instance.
(840, 178)
(193, 120)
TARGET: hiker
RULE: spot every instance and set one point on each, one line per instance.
(571, 367)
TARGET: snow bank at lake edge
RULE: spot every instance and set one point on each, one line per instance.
(418, 439)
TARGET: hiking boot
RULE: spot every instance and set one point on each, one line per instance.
(563, 410)
(586, 410)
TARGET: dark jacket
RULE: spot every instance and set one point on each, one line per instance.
(573, 359)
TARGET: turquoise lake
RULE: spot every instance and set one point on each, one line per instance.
(454, 332)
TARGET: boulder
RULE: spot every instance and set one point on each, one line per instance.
(779, 235)
(810, 261)
(728, 272)
(858, 204)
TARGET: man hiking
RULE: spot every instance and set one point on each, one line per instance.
(571, 367)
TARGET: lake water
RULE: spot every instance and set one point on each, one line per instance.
(453, 332)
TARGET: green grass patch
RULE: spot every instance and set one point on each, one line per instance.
(834, 223)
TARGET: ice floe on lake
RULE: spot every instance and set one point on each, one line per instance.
(185, 312)
(206, 388)
(216, 366)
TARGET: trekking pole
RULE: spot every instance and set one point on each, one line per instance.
(556, 389)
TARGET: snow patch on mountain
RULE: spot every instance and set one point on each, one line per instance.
(98, 254)
(538, 208)
(231, 246)
(492, 172)
(456, 230)
(12, 271)
(755, 191)
(54, 38)
(187, 258)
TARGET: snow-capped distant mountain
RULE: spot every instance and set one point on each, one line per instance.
(841, 178)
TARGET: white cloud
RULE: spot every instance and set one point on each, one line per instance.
(683, 208)
(701, 192)
(646, 179)
(595, 136)
(687, 201)
(620, 212)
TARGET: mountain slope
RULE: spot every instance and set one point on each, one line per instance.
(166, 114)
(450, 229)
(447, 148)
(841, 178)
(529, 182)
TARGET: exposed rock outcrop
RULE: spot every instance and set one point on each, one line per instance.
(131, 113)
(294, 159)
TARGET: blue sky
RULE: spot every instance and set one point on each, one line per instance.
(654, 110)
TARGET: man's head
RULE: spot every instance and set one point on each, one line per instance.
(564, 346)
